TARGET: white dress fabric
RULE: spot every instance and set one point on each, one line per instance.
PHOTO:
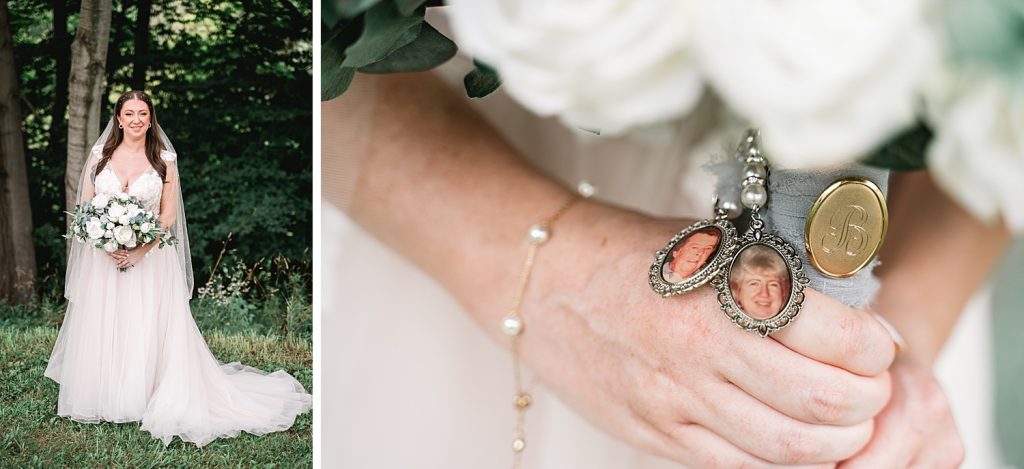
(129, 350)
(403, 365)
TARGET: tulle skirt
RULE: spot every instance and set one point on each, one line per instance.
(129, 350)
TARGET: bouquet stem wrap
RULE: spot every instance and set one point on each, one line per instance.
(791, 193)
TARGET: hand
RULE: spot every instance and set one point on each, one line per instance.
(916, 429)
(675, 377)
(128, 259)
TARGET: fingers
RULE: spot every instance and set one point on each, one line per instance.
(699, 447)
(831, 332)
(802, 388)
(765, 433)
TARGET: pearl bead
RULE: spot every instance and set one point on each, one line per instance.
(754, 194)
(755, 171)
(586, 189)
(538, 234)
(512, 325)
(518, 444)
(732, 209)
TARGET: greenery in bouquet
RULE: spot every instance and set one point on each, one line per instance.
(116, 221)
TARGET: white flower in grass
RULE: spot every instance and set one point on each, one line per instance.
(110, 246)
(100, 200)
(603, 65)
(826, 82)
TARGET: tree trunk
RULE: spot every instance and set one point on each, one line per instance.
(141, 60)
(14, 189)
(62, 53)
(88, 59)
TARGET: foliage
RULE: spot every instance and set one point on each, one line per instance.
(905, 151)
(231, 82)
(266, 297)
(374, 36)
(34, 436)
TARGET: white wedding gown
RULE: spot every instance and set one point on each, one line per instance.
(129, 350)
(404, 366)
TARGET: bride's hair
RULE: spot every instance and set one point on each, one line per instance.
(153, 144)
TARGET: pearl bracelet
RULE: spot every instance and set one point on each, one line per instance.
(512, 323)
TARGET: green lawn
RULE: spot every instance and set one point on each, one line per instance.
(31, 434)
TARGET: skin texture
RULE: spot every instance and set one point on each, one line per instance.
(129, 163)
(916, 428)
(671, 376)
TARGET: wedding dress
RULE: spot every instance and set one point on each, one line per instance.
(129, 349)
(413, 371)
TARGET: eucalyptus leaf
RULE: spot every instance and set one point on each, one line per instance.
(351, 8)
(481, 81)
(407, 7)
(905, 152)
(384, 31)
(430, 49)
(335, 77)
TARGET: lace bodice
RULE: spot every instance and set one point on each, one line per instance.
(148, 187)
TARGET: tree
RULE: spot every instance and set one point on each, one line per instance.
(88, 59)
(62, 57)
(141, 45)
(20, 267)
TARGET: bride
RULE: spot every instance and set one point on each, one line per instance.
(129, 349)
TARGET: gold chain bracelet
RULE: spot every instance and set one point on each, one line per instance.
(512, 324)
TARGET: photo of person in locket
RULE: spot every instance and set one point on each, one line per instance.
(759, 281)
(691, 254)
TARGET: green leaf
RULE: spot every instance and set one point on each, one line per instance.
(407, 7)
(335, 77)
(904, 152)
(430, 49)
(328, 15)
(385, 30)
(481, 81)
(351, 8)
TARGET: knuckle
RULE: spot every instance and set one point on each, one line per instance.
(795, 447)
(828, 404)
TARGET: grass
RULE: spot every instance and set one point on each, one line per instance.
(32, 435)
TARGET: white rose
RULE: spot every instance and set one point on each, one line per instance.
(94, 229)
(115, 211)
(977, 156)
(124, 234)
(124, 220)
(144, 228)
(104, 219)
(826, 82)
(108, 234)
(604, 66)
(110, 246)
(131, 210)
(100, 200)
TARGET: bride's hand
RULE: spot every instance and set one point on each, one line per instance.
(130, 257)
(916, 428)
(117, 255)
(676, 377)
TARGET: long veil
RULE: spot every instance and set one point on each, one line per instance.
(177, 229)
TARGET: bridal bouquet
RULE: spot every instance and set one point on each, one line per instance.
(116, 221)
